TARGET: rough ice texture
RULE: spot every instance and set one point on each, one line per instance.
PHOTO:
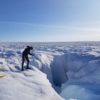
(70, 66)
(27, 85)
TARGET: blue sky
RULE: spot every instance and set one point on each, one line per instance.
(49, 20)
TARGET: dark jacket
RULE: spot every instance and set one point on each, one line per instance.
(26, 52)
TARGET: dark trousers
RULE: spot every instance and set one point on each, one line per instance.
(25, 58)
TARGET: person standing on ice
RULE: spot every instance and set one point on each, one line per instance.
(25, 57)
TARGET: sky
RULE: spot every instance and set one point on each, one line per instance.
(49, 20)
